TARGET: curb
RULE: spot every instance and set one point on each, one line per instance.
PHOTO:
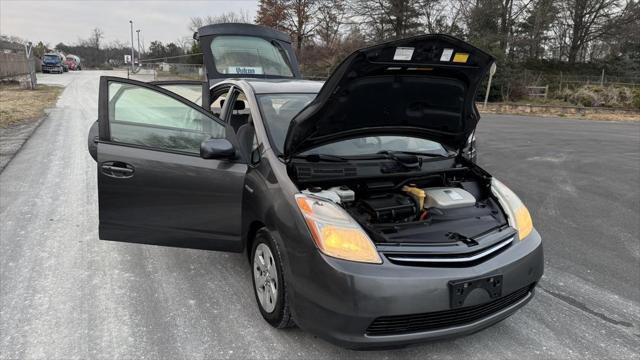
(587, 117)
(554, 110)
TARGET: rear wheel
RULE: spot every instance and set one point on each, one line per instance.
(268, 281)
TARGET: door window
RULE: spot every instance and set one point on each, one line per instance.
(145, 117)
(191, 92)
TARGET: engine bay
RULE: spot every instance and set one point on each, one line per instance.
(451, 205)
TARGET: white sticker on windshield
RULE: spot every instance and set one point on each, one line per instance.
(403, 53)
(244, 70)
(446, 55)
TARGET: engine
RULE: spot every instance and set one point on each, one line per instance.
(436, 208)
(408, 204)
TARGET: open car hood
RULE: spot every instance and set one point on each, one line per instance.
(423, 86)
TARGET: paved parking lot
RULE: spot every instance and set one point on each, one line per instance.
(64, 294)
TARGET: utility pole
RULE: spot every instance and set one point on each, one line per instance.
(132, 56)
(139, 53)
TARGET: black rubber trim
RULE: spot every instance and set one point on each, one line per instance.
(404, 324)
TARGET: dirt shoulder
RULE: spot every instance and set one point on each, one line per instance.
(21, 111)
(19, 106)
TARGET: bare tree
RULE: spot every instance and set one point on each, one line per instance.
(299, 21)
(383, 19)
(440, 16)
(293, 16)
(533, 30)
(330, 19)
(584, 21)
(95, 38)
(613, 45)
(227, 17)
(403, 16)
(369, 15)
(273, 13)
(184, 42)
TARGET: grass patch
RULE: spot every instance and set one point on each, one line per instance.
(19, 105)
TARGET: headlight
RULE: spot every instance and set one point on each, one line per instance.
(335, 232)
(517, 214)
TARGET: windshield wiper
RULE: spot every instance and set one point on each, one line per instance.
(416, 153)
(409, 159)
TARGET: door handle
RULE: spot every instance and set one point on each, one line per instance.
(117, 169)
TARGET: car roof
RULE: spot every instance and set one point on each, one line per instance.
(241, 29)
(267, 86)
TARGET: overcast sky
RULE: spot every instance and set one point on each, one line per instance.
(57, 21)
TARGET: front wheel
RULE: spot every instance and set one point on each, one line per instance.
(268, 281)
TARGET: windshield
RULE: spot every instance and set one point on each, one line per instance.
(249, 55)
(279, 109)
(51, 58)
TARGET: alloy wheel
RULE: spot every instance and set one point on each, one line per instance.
(265, 275)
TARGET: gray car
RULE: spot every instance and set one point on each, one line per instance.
(355, 200)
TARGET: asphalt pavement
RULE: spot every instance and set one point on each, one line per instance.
(66, 294)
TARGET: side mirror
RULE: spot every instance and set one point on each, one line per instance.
(217, 149)
(92, 141)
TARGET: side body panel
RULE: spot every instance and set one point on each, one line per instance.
(172, 199)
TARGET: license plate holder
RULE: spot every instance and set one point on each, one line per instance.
(459, 289)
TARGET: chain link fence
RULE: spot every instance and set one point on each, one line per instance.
(180, 67)
(561, 81)
(515, 85)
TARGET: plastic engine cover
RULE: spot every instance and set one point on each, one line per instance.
(448, 198)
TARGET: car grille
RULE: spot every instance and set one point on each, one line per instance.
(450, 260)
(403, 324)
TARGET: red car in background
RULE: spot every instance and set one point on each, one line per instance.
(73, 62)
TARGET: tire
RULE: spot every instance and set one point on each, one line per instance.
(277, 311)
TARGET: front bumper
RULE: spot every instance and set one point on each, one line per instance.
(52, 68)
(344, 298)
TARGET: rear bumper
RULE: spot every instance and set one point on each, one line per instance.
(345, 297)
